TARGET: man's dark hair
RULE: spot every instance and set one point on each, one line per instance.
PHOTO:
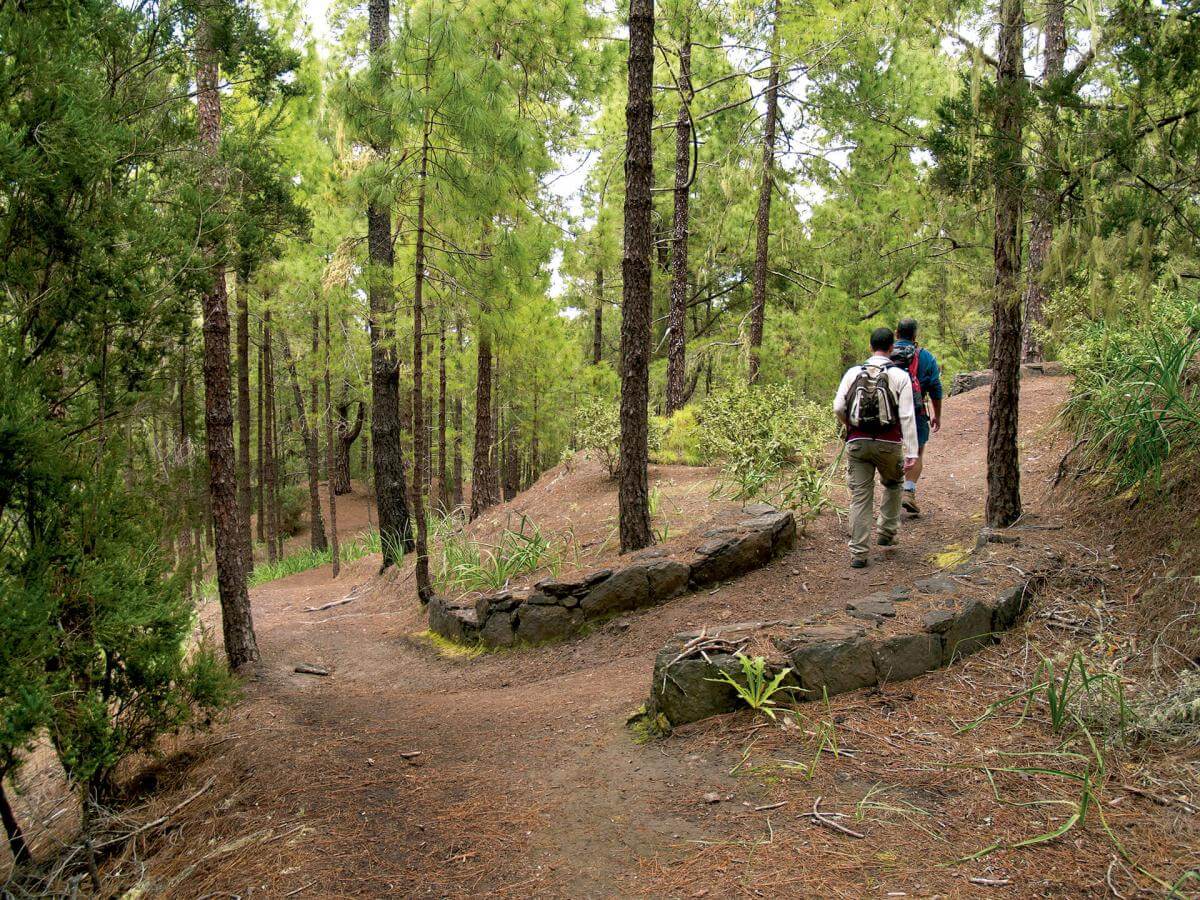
(882, 340)
(906, 330)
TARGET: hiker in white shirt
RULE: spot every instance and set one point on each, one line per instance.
(875, 403)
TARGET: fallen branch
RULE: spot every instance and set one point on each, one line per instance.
(161, 820)
(821, 819)
(308, 669)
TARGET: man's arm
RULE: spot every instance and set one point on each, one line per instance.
(839, 399)
(931, 386)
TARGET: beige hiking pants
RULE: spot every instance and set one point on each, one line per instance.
(864, 459)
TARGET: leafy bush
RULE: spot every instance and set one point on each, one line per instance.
(468, 565)
(770, 445)
(680, 444)
(597, 429)
(1136, 396)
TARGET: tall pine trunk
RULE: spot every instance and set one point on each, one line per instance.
(598, 319)
(394, 527)
(260, 504)
(347, 434)
(420, 437)
(457, 497)
(334, 544)
(243, 410)
(1004, 472)
(270, 478)
(312, 454)
(766, 190)
(634, 495)
(237, 624)
(484, 487)
(677, 314)
(443, 488)
(1045, 195)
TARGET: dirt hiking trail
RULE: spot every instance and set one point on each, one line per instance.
(410, 772)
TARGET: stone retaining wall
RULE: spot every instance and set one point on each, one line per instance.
(968, 381)
(834, 653)
(554, 609)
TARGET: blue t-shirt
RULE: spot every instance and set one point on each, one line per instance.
(928, 374)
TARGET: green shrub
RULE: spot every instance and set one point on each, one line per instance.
(597, 429)
(1136, 395)
(680, 444)
(770, 445)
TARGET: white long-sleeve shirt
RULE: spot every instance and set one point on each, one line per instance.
(901, 383)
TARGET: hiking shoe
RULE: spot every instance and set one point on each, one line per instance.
(887, 540)
(910, 503)
(858, 562)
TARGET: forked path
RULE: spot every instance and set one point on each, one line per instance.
(406, 772)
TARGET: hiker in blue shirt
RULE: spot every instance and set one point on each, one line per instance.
(927, 397)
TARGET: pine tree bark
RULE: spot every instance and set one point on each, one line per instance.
(390, 489)
(312, 454)
(1004, 472)
(766, 190)
(443, 488)
(484, 487)
(598, 320)
(237, 623)
(512, 459)
(420, 437)
(243, 410)
(269, 455)
(334, 544)
(458, 431)
(634, 495)
(1045, 196)
(261, 518)
(677, 313)
(347, 434)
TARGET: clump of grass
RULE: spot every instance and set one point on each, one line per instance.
(1068, 697)
(470, 565)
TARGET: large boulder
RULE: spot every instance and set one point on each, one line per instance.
(906, 656)
(832, 659)
(624, 590)
(497, 630)
(727, 557)
(1010, 604)
(690, 690)
(668, 579)
(536, 624)
(454, 619)
(963, 630)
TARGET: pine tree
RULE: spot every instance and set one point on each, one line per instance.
(1003, 461)
(635, 267)
(236, 619)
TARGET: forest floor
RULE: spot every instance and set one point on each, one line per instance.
(413, 771)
